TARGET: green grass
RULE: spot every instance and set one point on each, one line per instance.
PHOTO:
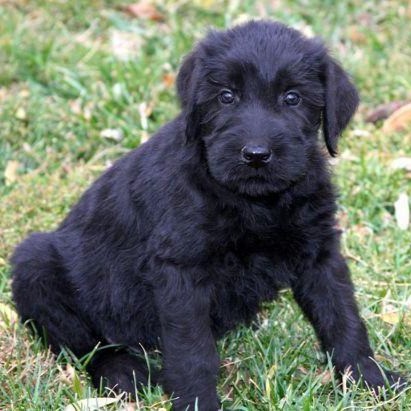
(62, 83)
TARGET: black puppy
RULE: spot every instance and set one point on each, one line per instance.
(184, 238)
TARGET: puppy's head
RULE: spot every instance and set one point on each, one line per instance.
(256, 97)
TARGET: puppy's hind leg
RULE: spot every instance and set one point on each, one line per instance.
(43, 295)
(120, 371)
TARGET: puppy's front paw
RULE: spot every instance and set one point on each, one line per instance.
(375, 377)
(202, 404)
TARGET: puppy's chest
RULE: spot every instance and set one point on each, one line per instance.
(274, 238)
(242, 281)
(255, 257)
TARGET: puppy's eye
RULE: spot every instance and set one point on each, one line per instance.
(226, 96)
(292, 98)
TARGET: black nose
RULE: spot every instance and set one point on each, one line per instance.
(256, 156)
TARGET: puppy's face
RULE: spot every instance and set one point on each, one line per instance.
(255, 98)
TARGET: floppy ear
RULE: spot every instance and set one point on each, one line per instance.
(186, 93)
(184, 78)
(341, 101)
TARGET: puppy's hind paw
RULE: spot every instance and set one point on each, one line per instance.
(120, 371)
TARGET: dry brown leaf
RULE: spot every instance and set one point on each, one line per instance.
(169, 79)
(399, 120)
(394, 317)
(10, 173)
(145, 110)
(380, 358)
(24, 93)
(342, 220)
(144, 136)
(205, 4)
(326, 377)
(365, 19)
(132, 406)
(383, 111)
(8, 317)
(21, 114)
(144, 10)
(115, 134)
(91, 404)
(356, 35)
(67, 374)
(302, 369)
(402, 163)
(402, 211)
(268, 379)
(125, 45)
(262, 11)
(346, 379)
(229, 366)
(361, 230)
(75, 106)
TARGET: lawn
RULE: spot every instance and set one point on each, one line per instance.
(82, 82)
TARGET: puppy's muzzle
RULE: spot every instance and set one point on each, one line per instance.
(256, 156)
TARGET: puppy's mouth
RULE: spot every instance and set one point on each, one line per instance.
(256, 181)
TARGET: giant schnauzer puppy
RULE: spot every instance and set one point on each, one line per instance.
(184, 238)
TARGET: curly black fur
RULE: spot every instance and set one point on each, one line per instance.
(184, 238)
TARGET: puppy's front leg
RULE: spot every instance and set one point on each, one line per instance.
(190, 359)
(325, 293)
